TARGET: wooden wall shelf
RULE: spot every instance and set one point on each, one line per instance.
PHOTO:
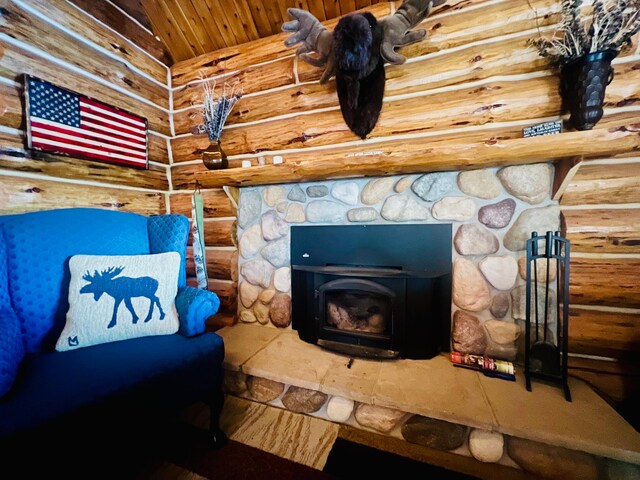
(390, 159)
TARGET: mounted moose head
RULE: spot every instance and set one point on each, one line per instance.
(355, 53)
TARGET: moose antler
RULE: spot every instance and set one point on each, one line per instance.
(111, 272)
(396, 28)
(314, 38)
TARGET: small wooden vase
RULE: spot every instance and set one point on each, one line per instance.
(214, 157)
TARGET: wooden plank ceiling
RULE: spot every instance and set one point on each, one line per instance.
(189, 28)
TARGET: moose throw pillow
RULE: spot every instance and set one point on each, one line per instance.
(120, 297)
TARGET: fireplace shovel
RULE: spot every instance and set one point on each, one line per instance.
(544, 352)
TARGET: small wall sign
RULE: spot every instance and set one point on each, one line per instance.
(548, 128)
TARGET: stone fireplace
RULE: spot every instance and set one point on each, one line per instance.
(380, 291)
(490, 214)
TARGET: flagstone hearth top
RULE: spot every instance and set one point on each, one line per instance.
(436, 389)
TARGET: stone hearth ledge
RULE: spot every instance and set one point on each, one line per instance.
(436, 389)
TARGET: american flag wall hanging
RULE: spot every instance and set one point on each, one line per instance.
(66, 123)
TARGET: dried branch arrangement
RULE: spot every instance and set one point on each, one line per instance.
(609, 26)
(217, 107)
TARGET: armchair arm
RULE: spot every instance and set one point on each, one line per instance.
(194, 307)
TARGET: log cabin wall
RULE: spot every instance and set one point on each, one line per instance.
(463, 84)
(60, 42)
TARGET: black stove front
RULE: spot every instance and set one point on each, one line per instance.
(380, 291)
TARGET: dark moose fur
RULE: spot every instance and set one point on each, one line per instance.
(360, 73)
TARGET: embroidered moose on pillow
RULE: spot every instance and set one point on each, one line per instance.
(122, 288)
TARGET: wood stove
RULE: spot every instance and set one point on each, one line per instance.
(381, 291)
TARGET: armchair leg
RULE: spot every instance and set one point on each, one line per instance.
(218, 437)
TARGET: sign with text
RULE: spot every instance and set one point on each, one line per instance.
(548, 128)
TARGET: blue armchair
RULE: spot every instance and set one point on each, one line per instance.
(39, 386)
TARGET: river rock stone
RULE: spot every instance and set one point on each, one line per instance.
(266, 295)
(538, 220)
(403, 184)
(277, 253)
(339, 409)
(499, 305)
(552, 462)
(247, 316)
(497, 215)
(486, 446)
(474, 239)
(234, 382)
(458, 209)
(281, 207)
(273, 227)
(363, 214)
(248, 293)
(502, 333)
(434, 433)
(519, 304)
(251, 241)
(479, 183)
(296, 194)
(257, 272)
(325, 211)
(261, 311)
(506, 352)
(346, 192)
(378, 418)
(264, 390)
(317, 191)
(470, 291)
(541, 267)
(280, 310)
(500, 271)
(618, 470)
(376, 190)
(302, 400)
(530, 183)
(250, 207)
(295, 213)
(403, 208)
(282, 279)
(274, 194)
(467, 334)
(433, 186)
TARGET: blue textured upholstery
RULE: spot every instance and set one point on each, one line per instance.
(11, 348)
(169, 233)
(4, 275)
(194, 307)
(54, 384)
(39, 245)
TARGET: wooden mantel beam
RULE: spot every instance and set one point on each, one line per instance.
(459, 155)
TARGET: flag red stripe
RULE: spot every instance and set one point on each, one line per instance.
(111, 109)
(62, 129)
(72, 151)
(139, 136)
(80, 143)
(95, 116)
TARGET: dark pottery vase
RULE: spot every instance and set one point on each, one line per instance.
(214, 157)
(584, 81)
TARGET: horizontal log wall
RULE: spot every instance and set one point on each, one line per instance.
(460, 102)
(61, 43)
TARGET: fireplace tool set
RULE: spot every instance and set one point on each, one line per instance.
(546, 346)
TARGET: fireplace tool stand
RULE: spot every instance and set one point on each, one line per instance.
(546, 358)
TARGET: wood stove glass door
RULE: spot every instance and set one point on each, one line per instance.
(356, 311)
